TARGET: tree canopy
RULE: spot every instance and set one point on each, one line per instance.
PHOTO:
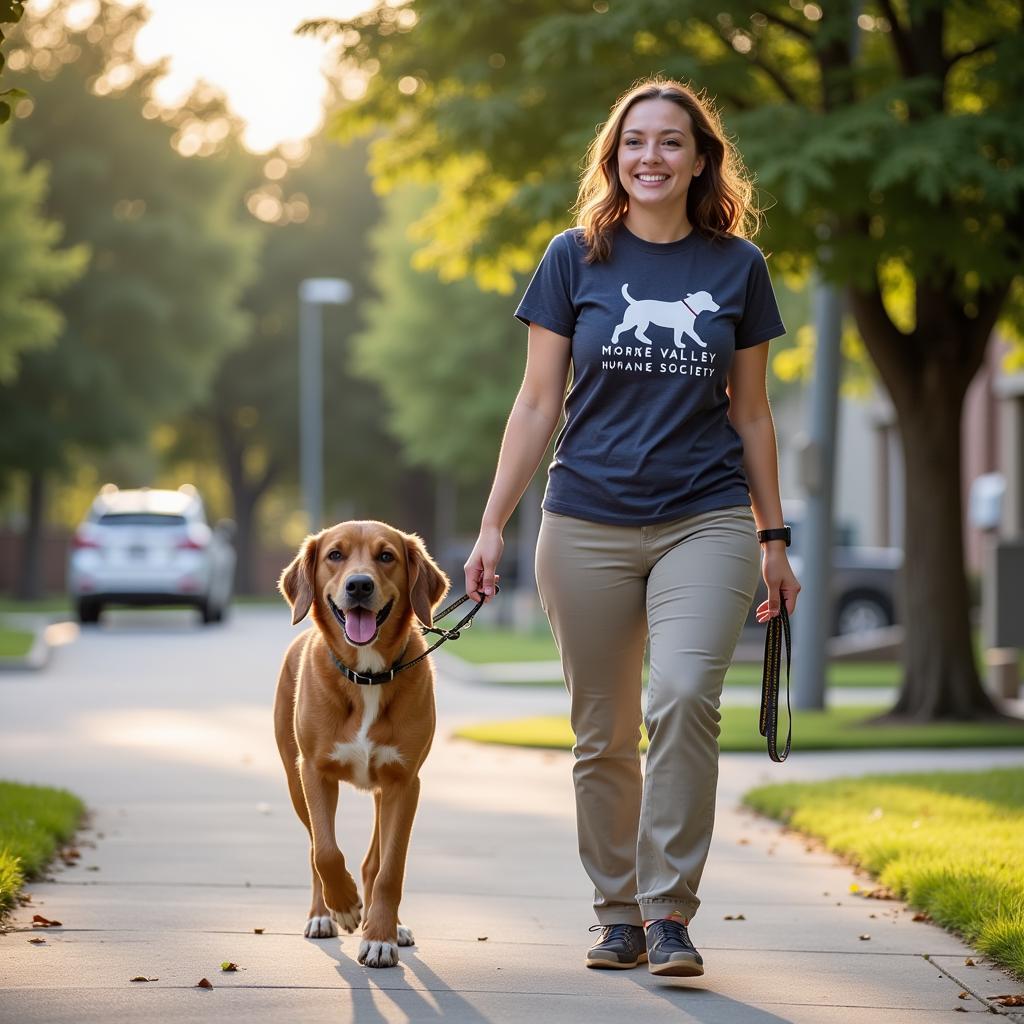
(147, 324)
(32, 266)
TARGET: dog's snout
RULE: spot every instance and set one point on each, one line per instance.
(359, 588)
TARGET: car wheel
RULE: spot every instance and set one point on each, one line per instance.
(89, 610)
(209, 612)
(862, 612)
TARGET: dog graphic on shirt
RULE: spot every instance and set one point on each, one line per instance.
(680, 317)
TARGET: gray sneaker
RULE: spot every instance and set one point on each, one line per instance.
(670, 951)
(619, 946)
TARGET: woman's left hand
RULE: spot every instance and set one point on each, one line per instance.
(780, 580)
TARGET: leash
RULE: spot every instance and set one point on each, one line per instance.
(376, 678)
(778, 628)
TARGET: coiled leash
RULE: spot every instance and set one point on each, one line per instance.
(375, 678)
(778, 627)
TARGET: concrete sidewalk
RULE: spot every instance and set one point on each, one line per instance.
(194, 845)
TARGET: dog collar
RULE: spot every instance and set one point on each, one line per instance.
(371, 678)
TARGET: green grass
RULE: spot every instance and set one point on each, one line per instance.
(949, 844)
(34, 820)
(841, 728)
(14, 643)
(483, 645)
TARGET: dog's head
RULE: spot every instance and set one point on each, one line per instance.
(363, 580)
(702, 301)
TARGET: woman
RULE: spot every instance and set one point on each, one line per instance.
(664, 480)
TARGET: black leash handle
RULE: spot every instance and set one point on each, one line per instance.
(778, 627)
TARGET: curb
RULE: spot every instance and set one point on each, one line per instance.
(43, 643)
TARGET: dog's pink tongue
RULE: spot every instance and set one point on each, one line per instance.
(360, 625)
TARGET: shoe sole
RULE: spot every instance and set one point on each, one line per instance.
(677, 969)
(616, 965)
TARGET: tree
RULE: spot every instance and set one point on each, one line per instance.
(891, 134)
(447, 356)
(31, 265)
(11, 12)
(318, 214)
(147, 325)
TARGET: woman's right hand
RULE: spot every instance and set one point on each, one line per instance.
(482, 562)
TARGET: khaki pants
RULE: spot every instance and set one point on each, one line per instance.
(687, 585)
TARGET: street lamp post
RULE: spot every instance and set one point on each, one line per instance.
(314, 292)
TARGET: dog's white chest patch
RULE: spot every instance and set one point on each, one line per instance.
(361, 754)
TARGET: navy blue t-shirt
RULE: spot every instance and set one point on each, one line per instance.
(647, 437)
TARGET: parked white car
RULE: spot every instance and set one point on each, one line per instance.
(150, 547)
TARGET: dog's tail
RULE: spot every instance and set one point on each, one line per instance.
(626, 295)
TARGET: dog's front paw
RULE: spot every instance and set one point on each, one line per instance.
(350, 917)
(405, 936)
(320, 927)
(377, 954)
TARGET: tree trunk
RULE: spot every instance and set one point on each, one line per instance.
(940, 677)
(30, 578)
(245, 497)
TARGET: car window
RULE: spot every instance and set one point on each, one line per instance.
(140, 519)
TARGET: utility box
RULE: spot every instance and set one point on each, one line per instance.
(1003, 595)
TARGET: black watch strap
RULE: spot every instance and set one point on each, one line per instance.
(780, 533)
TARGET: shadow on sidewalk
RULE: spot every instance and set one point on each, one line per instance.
(702, 1005)
(369, 986)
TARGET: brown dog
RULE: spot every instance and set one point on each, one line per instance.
(367, 584)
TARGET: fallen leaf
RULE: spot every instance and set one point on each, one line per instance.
(227, 965)
(882, 892)
(854, 887)
(141, 978)
(1011, 1000)
(203, 983)
(865, 937)
(960, 1009)
(963, 995)
(481, 938)
(38, 921)
(37, 941)
(921, 916)
(258, 931)
(969, 963)
(734, 917)
(872, 915)
(93, 867)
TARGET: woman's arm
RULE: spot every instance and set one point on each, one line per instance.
(531, 423)
(751, 417)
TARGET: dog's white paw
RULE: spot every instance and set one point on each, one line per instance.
(349, 919)
(320, 928)
(377, 954)
(405, 936)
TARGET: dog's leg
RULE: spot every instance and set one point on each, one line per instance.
(640, 333)
(339, 887)
(381, 935)
(319, 924)
(677, 337)
(371, 862)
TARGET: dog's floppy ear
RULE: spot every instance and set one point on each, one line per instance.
(299, 579)
(427, 583)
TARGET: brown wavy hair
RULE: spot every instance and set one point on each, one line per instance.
(720, 201)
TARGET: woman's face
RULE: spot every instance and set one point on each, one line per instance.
(657, 154)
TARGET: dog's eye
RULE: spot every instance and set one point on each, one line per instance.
(333, 556)
(386, 556)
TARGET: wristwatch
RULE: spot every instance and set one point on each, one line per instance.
(781, 533)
